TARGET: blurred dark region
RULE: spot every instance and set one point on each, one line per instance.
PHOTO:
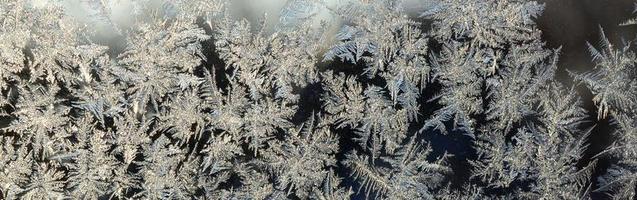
(570, 24)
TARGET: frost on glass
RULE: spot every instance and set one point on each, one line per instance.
(193, 101)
